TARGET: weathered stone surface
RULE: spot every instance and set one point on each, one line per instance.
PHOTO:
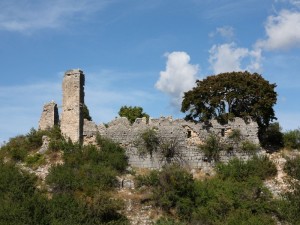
(73, 99)
(45, 145)
(90, 131)
(49, 116)
(189, 136)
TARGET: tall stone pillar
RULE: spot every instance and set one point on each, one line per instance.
(71, 124)
(49, 116)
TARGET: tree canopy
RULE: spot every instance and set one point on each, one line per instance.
(132, 113)
(228, 95)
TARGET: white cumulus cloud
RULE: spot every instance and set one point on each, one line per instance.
(228, 57)
(179, 76)
(282, 31)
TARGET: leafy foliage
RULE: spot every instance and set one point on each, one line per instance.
(235, 135)
(82, 184)
(87, 169)
(212, 147)
(148, 142)
(249, 147)
(292, 167)
(289, 206)
(292, 139)
(240, 171)
(272, 138)
(170, 150)
(18, 147)
(132, 113)
(239, 94)
(35, 160)
(174, 183)
(20, 201)
(81, 187)
(148, 180)
(86, 113)
(235, 196)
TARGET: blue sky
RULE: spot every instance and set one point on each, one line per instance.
(141, 53)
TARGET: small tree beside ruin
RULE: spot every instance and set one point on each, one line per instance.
(132, 113)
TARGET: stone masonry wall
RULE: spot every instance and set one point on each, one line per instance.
(73, 99)
(49, 116)
(188, 136)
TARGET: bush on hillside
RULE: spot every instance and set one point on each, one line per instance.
(292, 167)
(292, 139)
(240, 170)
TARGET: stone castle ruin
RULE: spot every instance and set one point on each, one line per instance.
(187, 136)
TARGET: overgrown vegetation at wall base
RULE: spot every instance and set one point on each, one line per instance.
(235, 196)
(81, 187)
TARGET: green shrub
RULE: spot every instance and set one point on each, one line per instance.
(168, 221)
(148, 180)
(148, 142)
(223, 201)
(87, 169)
(292, 139)
(16, 148)
(289, 206)
(292, 167)
(35, 160)
(272, 137)
(239, 170)
(170, 150)
(34, 138)
(112, 154)
(235, 196)
(20, 201)
(235, 135)
(174, 190)
(212, 148)
(249, 147)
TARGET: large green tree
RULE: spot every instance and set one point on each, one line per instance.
(131, 113)
(228, 95)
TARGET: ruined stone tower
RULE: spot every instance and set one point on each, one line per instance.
(49, 116)
(71, 124)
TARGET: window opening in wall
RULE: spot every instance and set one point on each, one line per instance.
(189, 134)
(223, 132)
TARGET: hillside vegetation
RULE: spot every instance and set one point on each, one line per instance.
(80, 187)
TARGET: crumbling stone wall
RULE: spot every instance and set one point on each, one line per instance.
(188, 136)
(49, 116)
(71, 124)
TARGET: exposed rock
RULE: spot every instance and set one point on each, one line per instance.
(126, 181)
(45, 145)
